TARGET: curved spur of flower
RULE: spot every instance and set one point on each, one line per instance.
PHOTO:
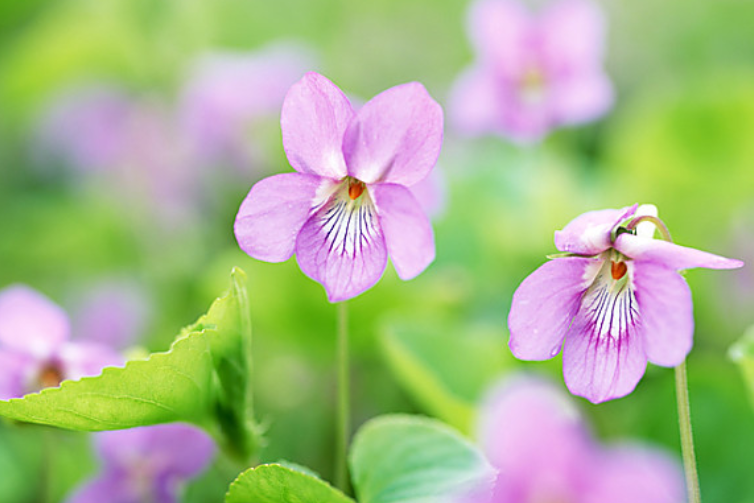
(532, 73)
(146, 464)
(613, 303)
(348, 205)
(35, 350)
(543, 451)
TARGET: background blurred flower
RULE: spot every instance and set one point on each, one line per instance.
(112, 312)
(349, 204)
(532, 73)
(618, 302)
(85, 126)
(35, 350)
(146, 464)
(544, 451)
(230, 96)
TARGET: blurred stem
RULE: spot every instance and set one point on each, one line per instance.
(687, 438)
(343, 417)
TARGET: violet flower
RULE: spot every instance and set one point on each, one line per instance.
(615, 297)
(228, 93)
(543, 451)
(85, 126)
(149, 463)
(35, 350)
(348, 205)
(532, 73)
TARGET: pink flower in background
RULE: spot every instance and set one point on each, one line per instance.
(150, 463)
(86, 127)
(532, 72)
(35, 350)
(348, 205)
(228, 94)
(113, 312)
(617, 300)
(544, 452)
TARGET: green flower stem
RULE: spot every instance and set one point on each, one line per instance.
(343, 418)
(687, 438)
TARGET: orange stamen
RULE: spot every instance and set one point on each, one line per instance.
(618, 269)
(355, 189)
(50, 376)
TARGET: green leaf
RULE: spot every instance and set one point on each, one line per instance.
(203, 379)
(410, 459)
(445, 371)
(279, 484)
(742, 352)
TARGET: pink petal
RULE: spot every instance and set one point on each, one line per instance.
(16, 369)
(475, 102)
(501, 32)
(581, 98)
(573, 35)
(343, 249)
(666, 310)
(629, 474)
(30, 322)
(408, 233)
(589, 234)
(111, 486)
(536, 439)
(82, 359)
(396, 137)
(604, 366)
(671, 255)
(431, 193)
(178, 449)
(314, 117)
(543, 307)
(273, 213)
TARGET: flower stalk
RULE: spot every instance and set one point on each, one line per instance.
(343, 425)
(687, 438)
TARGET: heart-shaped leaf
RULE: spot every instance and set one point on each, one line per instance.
(280, 484)
(410, 459)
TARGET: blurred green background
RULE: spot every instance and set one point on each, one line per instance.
(680, 137)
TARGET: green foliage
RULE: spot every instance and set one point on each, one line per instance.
(279, 484)
(412, 459)
(203, 379)
(743, 353)
(444, 370)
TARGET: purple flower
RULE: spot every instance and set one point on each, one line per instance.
(227, 94)
(617, 299)
(86, 126)
(543, 451)
(146, 464)
(114, 313)
(349, 204)
(532, 73)
(35, 350)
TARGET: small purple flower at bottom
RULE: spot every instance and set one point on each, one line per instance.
(349, 205)
(616, 299)
(35, 350)
(543, 451)
(532, 72)
(150, 463)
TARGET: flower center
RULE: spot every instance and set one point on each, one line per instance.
(355, 188)
(532, 84)
(618, 270)
(50, 375)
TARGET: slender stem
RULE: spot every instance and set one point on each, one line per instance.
(687, 438)
(343, 419)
